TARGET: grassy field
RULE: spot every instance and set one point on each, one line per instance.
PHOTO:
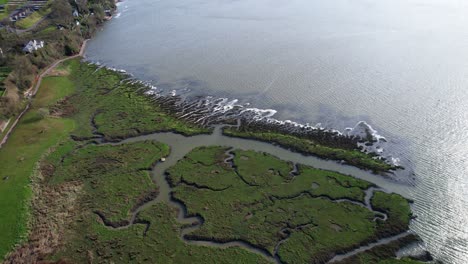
(158, 243)
(32, 137)
(352, 157)
(259, 201)
(32, 19)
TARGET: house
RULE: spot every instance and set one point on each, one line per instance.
(33, 45)
(75, 13)
(21, 13)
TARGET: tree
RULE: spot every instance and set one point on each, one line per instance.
(62, 12)
(23, 70)
(82, 6)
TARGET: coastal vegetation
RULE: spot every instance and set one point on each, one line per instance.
(237, 199)
(122, 170)
(384, 254)
(299, 217)
(112, 108)
(65, 157)
(71, 191)
(326, 148)
(155, 239)
(66, 105)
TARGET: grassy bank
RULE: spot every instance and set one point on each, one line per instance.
(353, 157)
(116, 109)
(35, 133)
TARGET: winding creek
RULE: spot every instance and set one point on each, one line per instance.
(181, 145)
(399, 65)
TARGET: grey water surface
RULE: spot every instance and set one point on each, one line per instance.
(399, 65)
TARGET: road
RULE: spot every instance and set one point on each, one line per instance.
(33, 90)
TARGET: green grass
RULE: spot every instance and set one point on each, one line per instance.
(49, 29)
(399, 212)
(384, 254)
(32, 19)
(35, 133)
(116, 178)
(352, 157)
(119, 110)
(61, 87)
(18, 157)
(159, 244)
(260, 202)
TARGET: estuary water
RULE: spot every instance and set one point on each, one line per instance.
(399, 65)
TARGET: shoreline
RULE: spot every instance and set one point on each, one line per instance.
(175, 108)
(207, 111)
(99, 125)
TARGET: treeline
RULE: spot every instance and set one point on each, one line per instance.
(61, 30)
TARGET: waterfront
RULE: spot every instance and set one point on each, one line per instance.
(401, 66)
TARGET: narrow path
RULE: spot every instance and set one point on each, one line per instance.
(33, 90)
(21, 31)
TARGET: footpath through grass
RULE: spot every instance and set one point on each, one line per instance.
(35, 133)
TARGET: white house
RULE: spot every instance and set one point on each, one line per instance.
(33, 45)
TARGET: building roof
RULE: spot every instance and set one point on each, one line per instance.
(33, 45)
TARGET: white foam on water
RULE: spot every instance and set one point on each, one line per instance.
(213, 108)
